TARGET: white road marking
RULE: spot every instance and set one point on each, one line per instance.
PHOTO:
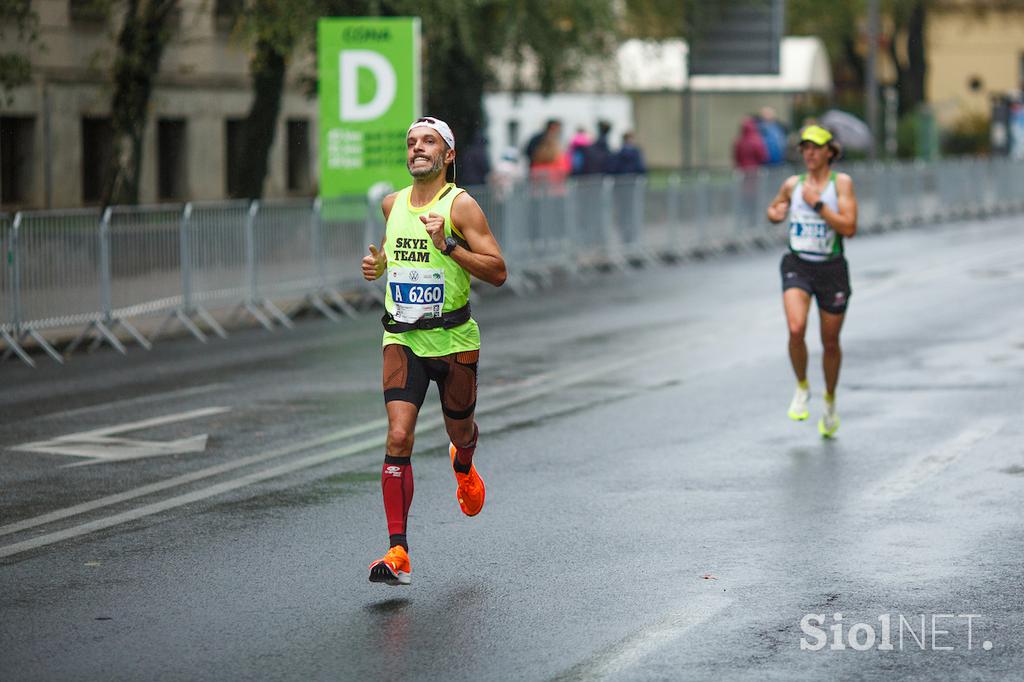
(176, 481)
(187, 498)
(548, 383)
(100, 445)
(626, 654)
(915, 473)
(106, 449)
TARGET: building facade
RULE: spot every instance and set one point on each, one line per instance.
(55, 136)
(973, 56)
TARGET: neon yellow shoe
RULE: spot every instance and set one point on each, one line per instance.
(393, 568)
(798, 407)
(471, 489)
(829, 422)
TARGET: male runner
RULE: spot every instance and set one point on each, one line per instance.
(436, 237)
(822, 210)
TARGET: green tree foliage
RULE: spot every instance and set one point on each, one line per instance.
(145, 31)
(19, 17)
(275, 28)
(842, 26)
(461, 38)
(551, 40)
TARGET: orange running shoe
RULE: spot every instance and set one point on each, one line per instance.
(393, 568)
(471, 490)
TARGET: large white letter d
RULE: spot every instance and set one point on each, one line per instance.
(383, 72)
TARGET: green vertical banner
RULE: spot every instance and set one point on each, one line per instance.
(369, 74)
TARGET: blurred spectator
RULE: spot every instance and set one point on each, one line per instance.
(597, 157)
(476, 166)
(578, 150)
(748, 152)
(627, 164)
(550, 162)
(773, 135)
(629, 160)
(552, 128)
(507, 172)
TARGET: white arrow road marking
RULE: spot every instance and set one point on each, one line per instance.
(102, 445)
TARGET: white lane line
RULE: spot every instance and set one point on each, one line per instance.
(156, 397)
(150, 423)
(187, 498)
(185, 479)
(553, 383)
(627, 654)
(916, 473)
(548, 382)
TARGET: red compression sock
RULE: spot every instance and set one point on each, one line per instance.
(397, 485)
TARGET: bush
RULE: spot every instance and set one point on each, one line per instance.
(906, 136)
(969, 135)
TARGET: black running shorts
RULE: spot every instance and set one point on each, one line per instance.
(407, 376)
(828, 282)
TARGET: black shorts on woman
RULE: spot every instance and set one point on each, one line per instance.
(827, 281)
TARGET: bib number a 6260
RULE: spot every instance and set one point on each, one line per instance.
(416, 293)
(411, 293)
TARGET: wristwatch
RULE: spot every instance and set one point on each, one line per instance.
(449, 245)
(818, 205)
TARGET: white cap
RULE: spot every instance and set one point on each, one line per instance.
(436, 124)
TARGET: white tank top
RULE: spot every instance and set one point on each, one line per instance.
(810, 237)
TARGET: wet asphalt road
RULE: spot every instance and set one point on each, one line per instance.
(651, 511)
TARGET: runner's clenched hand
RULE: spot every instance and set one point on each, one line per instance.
(777, 211)
(811, 195)
(435, 228)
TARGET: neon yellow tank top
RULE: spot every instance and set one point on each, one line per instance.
(423, 282)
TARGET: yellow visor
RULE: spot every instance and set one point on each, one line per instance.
(816, 134)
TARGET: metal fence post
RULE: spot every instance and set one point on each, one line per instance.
(250, 248)
(702, 211)
(251, 304)
(105, 295)
(14, 263)
(189, 308)
(316, 241)
(183, 313)
(674, 215)
(105, 318)
(14, 340)
(185, 258)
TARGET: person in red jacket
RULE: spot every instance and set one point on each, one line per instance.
(749, 153)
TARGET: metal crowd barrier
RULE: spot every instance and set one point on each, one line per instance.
(91, 277)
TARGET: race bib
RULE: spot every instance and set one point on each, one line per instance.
(418, 294)
(811, 234)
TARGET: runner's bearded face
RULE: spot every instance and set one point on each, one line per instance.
(425, 153)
